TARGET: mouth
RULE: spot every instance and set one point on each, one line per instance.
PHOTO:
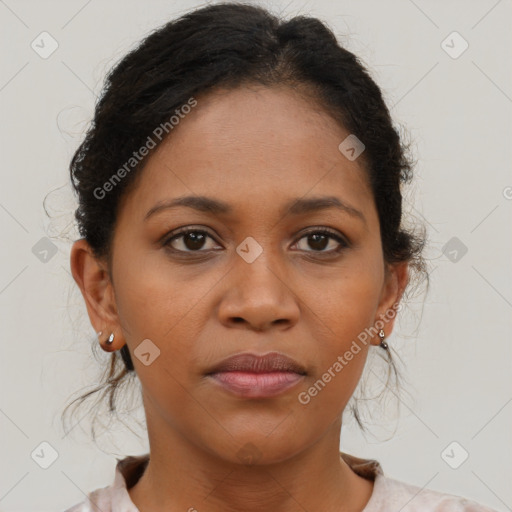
(257, 376)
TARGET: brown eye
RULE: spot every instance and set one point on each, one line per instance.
(320, 240)
(189, 240)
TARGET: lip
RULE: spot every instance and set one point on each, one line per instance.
(257, 376)
(258, 363)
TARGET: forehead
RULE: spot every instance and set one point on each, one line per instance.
(252, 145)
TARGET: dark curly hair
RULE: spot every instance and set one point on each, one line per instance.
(229, 45)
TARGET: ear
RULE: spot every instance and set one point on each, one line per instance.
(92, 277)
(396, 279)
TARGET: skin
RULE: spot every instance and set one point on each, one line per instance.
(254, 148)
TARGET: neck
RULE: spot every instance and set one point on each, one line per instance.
(182, 476)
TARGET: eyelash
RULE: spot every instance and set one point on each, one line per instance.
(312, 231)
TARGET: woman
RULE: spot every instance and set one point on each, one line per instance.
(243, 250)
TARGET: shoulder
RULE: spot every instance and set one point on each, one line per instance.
(100, 499)
(391, 494)
(115, 497)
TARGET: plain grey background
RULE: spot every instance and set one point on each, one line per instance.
(455, 104)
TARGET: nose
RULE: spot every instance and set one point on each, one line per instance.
(258, 296)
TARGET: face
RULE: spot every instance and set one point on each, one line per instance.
(268, 265)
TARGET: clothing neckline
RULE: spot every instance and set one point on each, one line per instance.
(130, 469)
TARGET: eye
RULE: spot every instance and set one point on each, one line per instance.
(320, 239)
(188, 240)
(195, 240)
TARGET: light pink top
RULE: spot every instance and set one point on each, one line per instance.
(388, 495)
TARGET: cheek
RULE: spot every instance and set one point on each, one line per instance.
(155, 299)
(150, 308)
(340, 354)
(345, 312)
(348, 305)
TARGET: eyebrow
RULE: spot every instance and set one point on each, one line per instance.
(294, 207)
